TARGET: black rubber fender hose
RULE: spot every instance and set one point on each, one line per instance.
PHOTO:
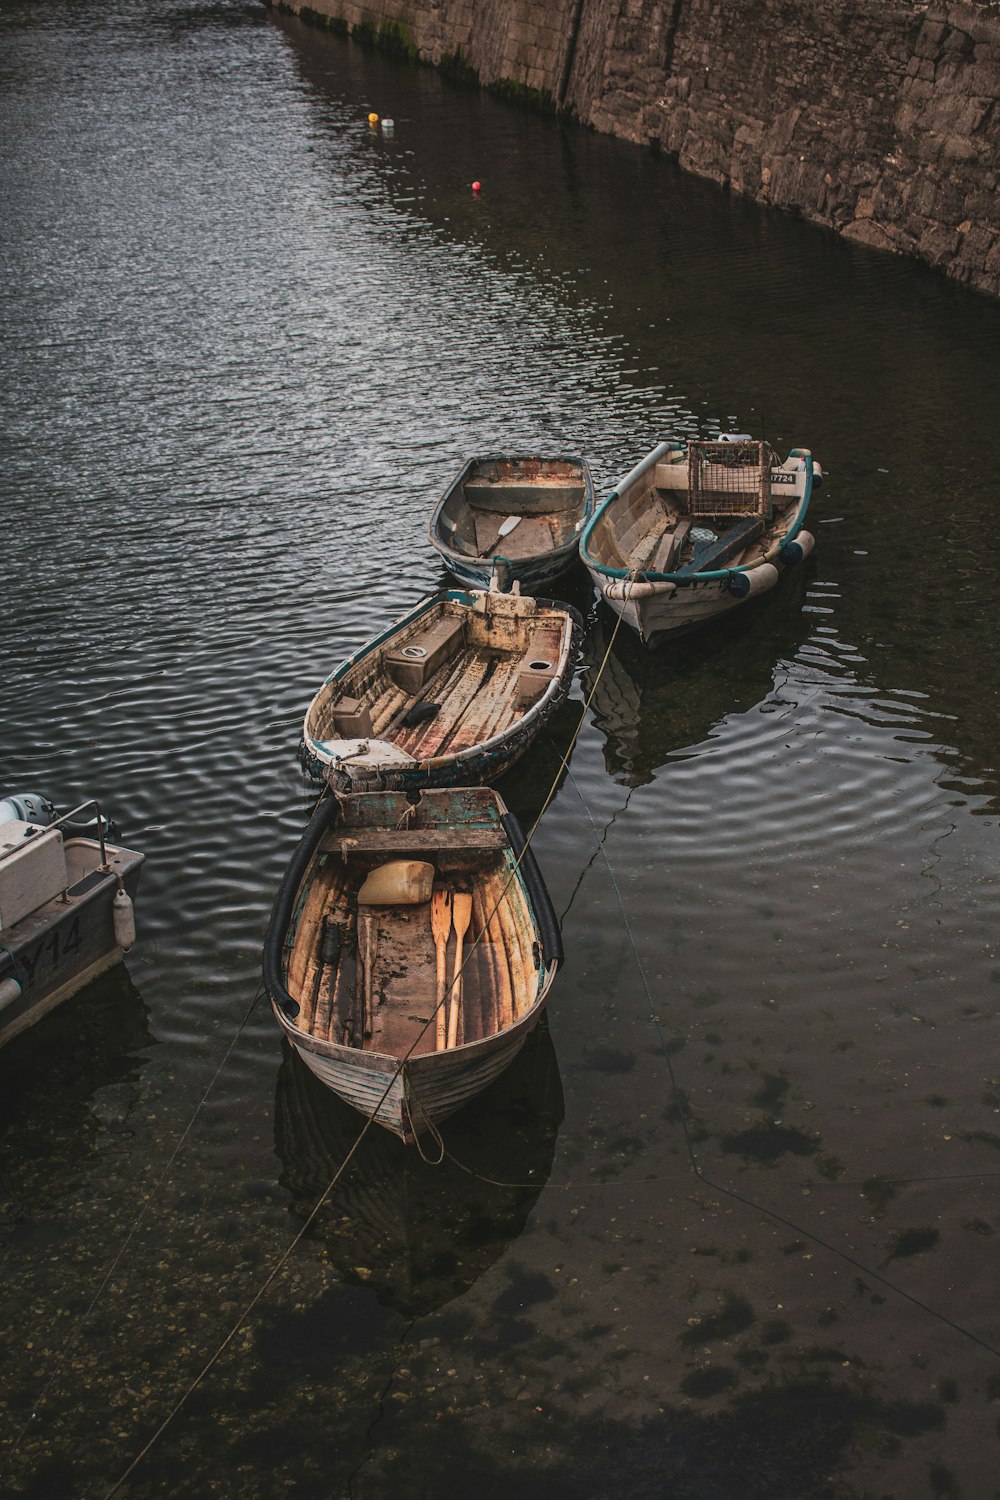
(548, 922)
(284, 904)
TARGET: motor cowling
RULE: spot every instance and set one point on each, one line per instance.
(27, 807)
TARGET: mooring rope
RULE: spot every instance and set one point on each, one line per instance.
(680, 1105)
(371, 1117)
(151, 1197)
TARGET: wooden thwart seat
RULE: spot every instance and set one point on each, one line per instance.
(409, 841)
(733, 540)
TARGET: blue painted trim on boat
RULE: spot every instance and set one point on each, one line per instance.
(683, 580)
(532, 573)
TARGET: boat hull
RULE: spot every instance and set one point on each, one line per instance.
(658, 611)
(67, 943)
(409, 1098)
(738, 535)
(371, 1023)
(533, 574)
(438, 758)
(551, 499)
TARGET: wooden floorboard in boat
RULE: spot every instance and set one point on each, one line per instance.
(478, 704)
(404, 983)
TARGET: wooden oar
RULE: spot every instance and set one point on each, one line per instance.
(506, 527)
(441, 927)
(366, 958)
(461, 915)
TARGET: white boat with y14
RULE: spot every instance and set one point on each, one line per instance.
(66, 912)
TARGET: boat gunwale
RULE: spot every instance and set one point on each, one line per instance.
(572, 630)
(564, 550)
(652, 578)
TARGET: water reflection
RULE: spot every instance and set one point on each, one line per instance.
(69, 1088)
(650, 704)
(527, 785)
(421, 1234)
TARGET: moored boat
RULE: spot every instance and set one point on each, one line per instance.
(410, 951)
(449, 695)
(697, 529)
(515, 517)
(66, 912)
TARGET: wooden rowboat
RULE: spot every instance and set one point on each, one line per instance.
(450, 695)
(357, 987)
(518, 518)
(66, 913)
(697, 529)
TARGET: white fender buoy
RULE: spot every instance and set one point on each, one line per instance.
(744, 585)
(800, 547)
(124, 918)
(10, 990)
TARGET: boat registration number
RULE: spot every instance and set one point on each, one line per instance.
(60, 944)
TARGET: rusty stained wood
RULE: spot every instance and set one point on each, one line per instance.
(403, 987)
(412, 840)
(476, 692)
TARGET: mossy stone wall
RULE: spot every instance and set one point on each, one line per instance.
(880, 120)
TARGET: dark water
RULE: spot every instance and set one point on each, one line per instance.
(730, 1226)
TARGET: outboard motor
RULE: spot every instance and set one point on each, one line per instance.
(27, 807)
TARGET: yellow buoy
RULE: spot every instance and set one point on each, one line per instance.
(373, 119)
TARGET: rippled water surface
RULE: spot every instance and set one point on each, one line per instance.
(729, 1226)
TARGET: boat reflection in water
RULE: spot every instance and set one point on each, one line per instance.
(68, 1085)
(421, 1234)
(528, 786)
(650, 705)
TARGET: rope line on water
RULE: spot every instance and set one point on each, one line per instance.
(682, 1113)
(371, 1117)
(136, 1224)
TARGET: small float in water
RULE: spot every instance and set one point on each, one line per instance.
(66, 905)
(698, 529)
(519, 518)
(450, 695)
(410, 951)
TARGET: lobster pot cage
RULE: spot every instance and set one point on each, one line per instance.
(729, 479)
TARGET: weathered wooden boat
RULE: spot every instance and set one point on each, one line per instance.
(516, 518)
(450, 695)
(697, 529)
(410, 951)
(66, 912)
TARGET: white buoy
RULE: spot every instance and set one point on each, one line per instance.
(124, 919)
(10, 990)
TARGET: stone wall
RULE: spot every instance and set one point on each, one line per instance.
(876, 118)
